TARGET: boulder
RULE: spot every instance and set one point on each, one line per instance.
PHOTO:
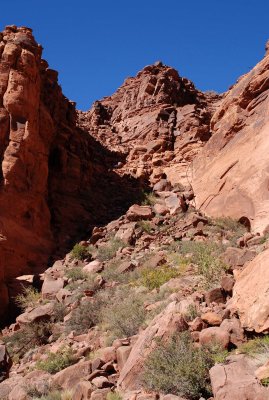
(69, 377)
(215, 335)
(37, 314)
(136, 213)
(236, 380)
(251, 294)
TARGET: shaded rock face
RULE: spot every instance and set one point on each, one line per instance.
(55, 181)
(157, 119)
(230, 175)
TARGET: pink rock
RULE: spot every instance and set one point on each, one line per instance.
(216, 335)
(136, 213)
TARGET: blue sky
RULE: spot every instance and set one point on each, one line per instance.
(95, 44)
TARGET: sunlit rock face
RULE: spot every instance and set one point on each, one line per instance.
(230, 175)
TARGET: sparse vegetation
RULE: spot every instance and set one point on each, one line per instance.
(113, 396)
(191, 313)
(55, 362)
(153, 278)
(79, 252)
(48, 392)
(108, 251)
(149, 199)
(179, 368)
(30, 297)
(76, 274)
(256, 346)
(206, 256)
(85, 316)
(146, 226)
(126, 314)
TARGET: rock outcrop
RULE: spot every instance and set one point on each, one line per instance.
(230, 176)
(157, 119)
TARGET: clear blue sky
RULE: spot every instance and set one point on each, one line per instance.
(96, 44)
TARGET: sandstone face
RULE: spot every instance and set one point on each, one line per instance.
(250, 294)
(54, 177)
(230, 174)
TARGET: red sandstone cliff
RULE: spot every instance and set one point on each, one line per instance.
(230, 176)
(50, 186)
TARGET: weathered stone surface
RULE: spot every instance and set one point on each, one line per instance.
(123, 353)
(41, 313)
(227, 174)
(236, 380)
(70, 376)
(250, 295)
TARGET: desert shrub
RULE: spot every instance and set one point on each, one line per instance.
(228, 227)
(146, 226)
(32, 335)
(84, 317)
(111, 273)
(191, 313)
(30, 297)
(113, 396)
(59, 311)
(108, 251)
(125, 315)
(47, 391)
(206, 256)
(256, 346)
(179, 368)
(78, 287)
(149, 199)
(153, 278)
(76, 274)
(79, 252)
(55, 362)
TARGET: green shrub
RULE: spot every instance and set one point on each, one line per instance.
(146, 226)
(179, 368)
(30, 297)
(258, 345)
(125, 315)
(55, 362)
(153, 278)
(76, 274)
(84, 317)
(79, 252)
(191, 313)
(108, 251)
(114, 396)
(206, 256)
(149, 199)
(49, 392)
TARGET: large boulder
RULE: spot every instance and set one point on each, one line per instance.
(236, 380)
(251, 294)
